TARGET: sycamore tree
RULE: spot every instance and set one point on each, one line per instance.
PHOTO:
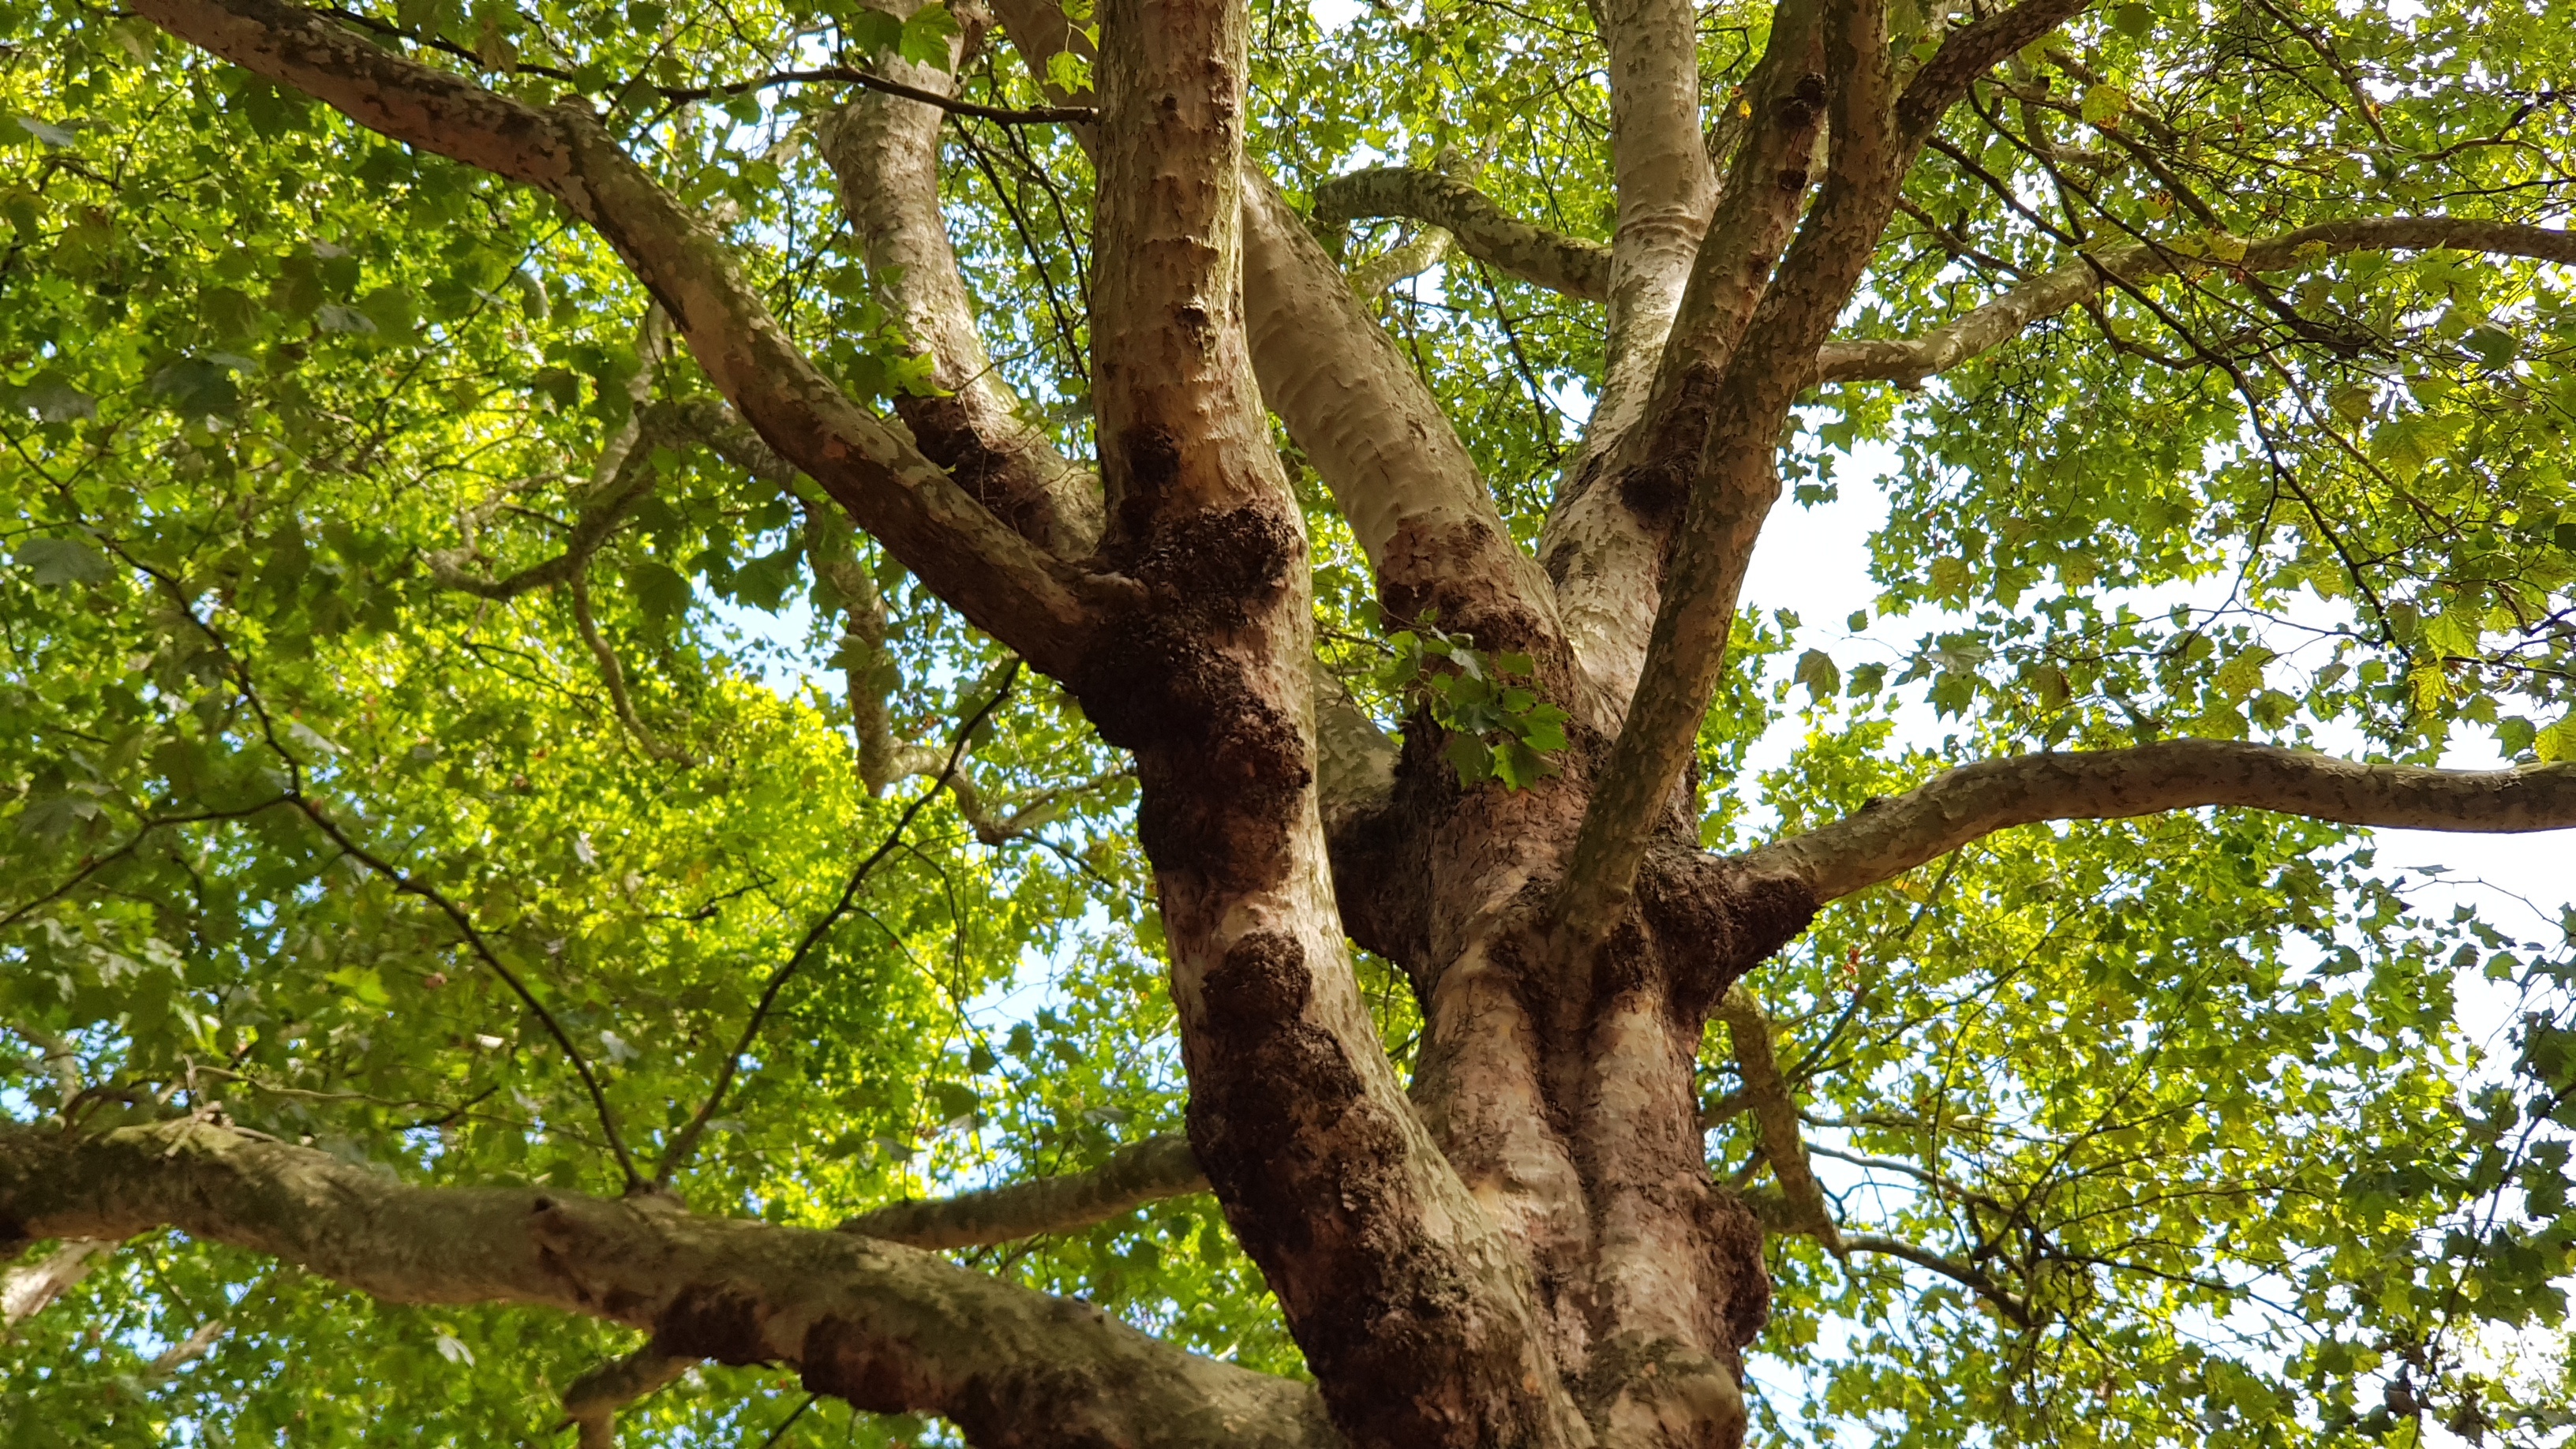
(774, 722)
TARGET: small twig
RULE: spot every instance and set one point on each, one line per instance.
(613, 673)
(680, 95)
(780, 1432)
(1034, 116)
(687, 1139)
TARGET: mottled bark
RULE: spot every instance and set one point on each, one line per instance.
(1411, 1306)
(884, 152)
(1608, 533)
(1525, 1247)
(1483, 230)
(1891, 836)
(888, 1328)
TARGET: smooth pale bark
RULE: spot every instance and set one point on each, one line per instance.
(1607, 535)
(1005, 584)
(1908, 361)
(1896, 834)
(889, 1328)
(27, 1288)
(1372, 431)
(1666, 187)
(1483, 230)
(884, 152)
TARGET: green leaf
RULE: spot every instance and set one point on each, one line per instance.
(955, 1100)
(1818, 672)
(1470, 758)
(2492, 346)
(2558, 742)
(62, 562)
(663, 594)
(196, 387)
(54, 400)
(926, 36)
(362, 982)
(58, 136)
(2104, 105)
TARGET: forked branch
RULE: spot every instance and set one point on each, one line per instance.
(1891, 836)
(1970, 52)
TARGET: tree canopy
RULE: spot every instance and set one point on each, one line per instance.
(620, 652)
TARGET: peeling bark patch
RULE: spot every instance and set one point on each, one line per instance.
(1146, 468)
(709, 1321)
(1263, 979)
(1221, 567)
(866, 1368)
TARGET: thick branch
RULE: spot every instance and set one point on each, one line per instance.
(26, 1289)
(1906, 362)
(1970, 52)
(1483, 229)
(1372, 431)
(884, 152)
(1775, 1114)
(594, 1399)
(1891, 836)
(996, 578)
(1144, 1172)
(886, 1327)
(1666, 188)
(1607, 538)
